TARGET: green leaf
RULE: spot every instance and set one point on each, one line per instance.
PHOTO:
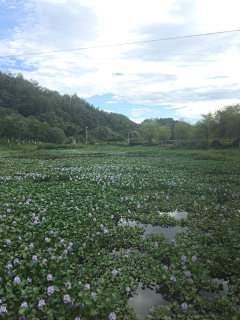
(116, 296)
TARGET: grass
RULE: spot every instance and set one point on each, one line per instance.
(29, 150)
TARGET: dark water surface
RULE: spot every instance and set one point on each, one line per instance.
(146, 297)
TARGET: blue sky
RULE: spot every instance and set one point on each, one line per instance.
(77, 46)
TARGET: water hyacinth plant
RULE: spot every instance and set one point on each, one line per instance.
(73, 240)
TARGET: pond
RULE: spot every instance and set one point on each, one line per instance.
(169, 232)
(147, 296)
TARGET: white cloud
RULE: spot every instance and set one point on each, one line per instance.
(137, 112)
(186, 74)
(112, 102)
(138, 120)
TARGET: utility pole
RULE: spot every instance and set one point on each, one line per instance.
(86, 134)
(128, 137)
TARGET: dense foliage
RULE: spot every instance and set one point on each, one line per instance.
(65, 253)
(28, 110)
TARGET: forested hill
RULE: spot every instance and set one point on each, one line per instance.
(28, 110)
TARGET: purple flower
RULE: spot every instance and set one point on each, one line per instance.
(69, 285)
(70, 305)
(89, 214)
(52, 257)
(167, 198)
(184, 305)
(202, 197)
(16, 260)
(43, 218)
(50, 290)
(3, 309)
(46, 239)
(105, 231)
(9, 266)
(101, 225)
(195, 203)
(41, 303)
(24, 304)
(44, 261)
(127, 289)
(188, 273)
(191, 280)
(79, 282)
(66, 298)
(194, 258)
(87, 287)
(22, 317)
(112, 216)
(173, 278)
(84, 245)
(61, 240)
(8, 241)
(155, 245)
(65, 251)
(49, 277)
(165, 267)
(94, 219)
(16, 280)
(173, 240)
(112, 316)
(77, 318)
(31, 245)
(129, 211)
(34, 258)
(8, 210)
(29, 279)
(183, 258)
(93, 294)
(114, 272)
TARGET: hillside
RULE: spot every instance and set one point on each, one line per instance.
(28, 110)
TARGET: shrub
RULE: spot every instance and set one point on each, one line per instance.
(235, 143)
(216, 144)
(196, 144)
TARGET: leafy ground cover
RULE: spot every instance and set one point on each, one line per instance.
(65, 253)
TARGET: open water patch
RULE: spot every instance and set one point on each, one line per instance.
(168, 233)
(144, 299)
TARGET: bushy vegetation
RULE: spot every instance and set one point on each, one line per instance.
(28, 110)
(65, 253)
(196, 144)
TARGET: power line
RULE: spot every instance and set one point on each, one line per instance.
(121, 44)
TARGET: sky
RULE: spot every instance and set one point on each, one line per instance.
(117, 55)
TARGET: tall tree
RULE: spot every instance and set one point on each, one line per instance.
(150, 131)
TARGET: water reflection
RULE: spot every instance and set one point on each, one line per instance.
(169, 233)
(223, 288)
(144, 299)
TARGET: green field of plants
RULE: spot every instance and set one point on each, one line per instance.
(73, 240)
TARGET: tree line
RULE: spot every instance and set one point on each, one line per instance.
(222, 124)
(30, 111)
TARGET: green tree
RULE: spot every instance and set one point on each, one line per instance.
(164, 132)
(182, 130)
(206, 126)
(56, 135)
(227, 122)
(150, 131)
